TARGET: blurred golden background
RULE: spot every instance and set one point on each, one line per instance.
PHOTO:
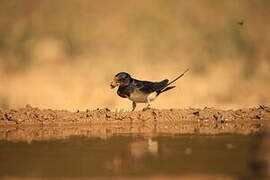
(63, 54)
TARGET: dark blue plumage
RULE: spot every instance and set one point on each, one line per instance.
(140, 91)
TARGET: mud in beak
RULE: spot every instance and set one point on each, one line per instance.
(114, 83)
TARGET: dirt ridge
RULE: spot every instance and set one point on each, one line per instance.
(33, 115)
(31, 123)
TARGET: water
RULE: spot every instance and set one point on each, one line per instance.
(130, 155)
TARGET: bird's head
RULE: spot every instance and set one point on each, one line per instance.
(121, 79)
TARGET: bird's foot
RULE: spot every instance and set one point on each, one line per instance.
(146, 108)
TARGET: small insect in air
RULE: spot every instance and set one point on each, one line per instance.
(240, 23)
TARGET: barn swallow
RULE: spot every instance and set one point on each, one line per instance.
(140, 91)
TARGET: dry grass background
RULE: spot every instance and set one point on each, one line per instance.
(63, 54)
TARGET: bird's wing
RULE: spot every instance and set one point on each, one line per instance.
(148, 87)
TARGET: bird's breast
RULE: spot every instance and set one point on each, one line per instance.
(140, 97)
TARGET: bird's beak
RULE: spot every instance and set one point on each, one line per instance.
(115, 82)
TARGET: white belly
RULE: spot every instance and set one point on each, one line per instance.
(139, 97)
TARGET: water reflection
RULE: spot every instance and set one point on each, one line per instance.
(130, 155)
(135, 151)
(139, 149)
(126, 155)
(260, 156)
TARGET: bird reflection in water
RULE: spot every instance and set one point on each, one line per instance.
(135, 152)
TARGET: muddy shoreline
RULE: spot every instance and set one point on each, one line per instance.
(31, 123)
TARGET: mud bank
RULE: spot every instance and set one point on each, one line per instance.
(186, 177)
(31, 123)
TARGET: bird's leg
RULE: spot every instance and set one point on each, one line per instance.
(148, 105)
(133, 106)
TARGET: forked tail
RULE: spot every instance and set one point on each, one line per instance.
(166, 88)
(178, 77)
